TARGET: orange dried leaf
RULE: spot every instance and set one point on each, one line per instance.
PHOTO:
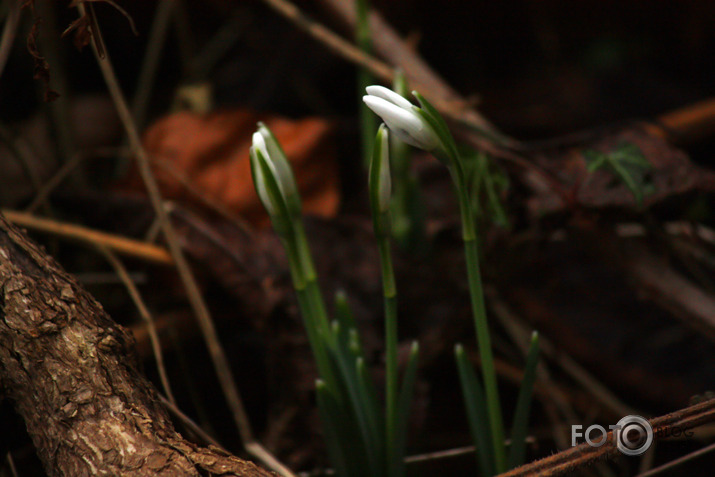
(208, 155)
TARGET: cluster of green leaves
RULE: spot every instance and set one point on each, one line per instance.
(627, 162)
(354, 425)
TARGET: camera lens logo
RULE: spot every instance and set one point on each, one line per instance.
(633, 435)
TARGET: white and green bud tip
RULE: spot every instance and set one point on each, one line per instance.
(401, 117)
(265, 142)
(380, 181)
(422, 127)
(273, 179)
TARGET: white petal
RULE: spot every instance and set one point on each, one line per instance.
(260, 144)
(389, 95)
(392, 114)
(406, 124)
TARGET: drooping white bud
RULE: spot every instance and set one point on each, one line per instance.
(401, 117)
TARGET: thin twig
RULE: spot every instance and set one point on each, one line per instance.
(48, 187)
(136, 297)
(573, 459)
(681, 460)
(336, 43)
(520, 334)
(190, 423)
(203, 316)
(152, 57)
(192, 189)
(9, 32)
(11, 464)
(568, 365)
(23, 155)
(124, 245)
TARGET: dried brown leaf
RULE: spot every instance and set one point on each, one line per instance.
(207, 155)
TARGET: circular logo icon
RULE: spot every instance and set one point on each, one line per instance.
(633, 435)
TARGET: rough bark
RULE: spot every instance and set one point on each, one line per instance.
(72, 374)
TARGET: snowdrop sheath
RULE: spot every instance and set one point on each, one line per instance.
(380, 178)
(258, 156)
(265, 141)
(402, 117)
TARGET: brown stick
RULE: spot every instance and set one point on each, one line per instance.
(196, 300)
(568, 461)
(123, 245)
(72, 374)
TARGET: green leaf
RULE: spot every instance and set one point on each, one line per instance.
(403, 412)
(344, 316)
(357, 408)
(626, 162)
(265, 177)
(440, 126)
(523, 405)
(476, 412)
(338, 436)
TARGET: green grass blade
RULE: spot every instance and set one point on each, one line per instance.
(476, 411)
(345, 459)
(357, 408)
(397, 466)
(523, 405)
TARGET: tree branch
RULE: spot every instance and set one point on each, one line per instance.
(72, 374)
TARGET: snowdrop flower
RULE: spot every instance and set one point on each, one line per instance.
(406, 120)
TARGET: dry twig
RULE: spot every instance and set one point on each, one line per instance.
(201, 311)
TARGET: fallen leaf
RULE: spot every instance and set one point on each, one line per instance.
(202, 159)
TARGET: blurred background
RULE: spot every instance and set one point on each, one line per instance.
(621, 291)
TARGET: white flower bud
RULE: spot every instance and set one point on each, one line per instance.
(258, 177)
(401, 117)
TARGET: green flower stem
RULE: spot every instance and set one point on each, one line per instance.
(471, 250)
(391, 382)
(368, 121)
(311, 307)
(311, 281)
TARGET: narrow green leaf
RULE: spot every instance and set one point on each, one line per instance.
(476, 412)
(438, 123)
(352, 395)
(407, 391)
(523, 405)
(346, 461)
(369, 398)
(344, 316)
(266, 178)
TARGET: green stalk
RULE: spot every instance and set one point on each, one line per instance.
(368, 121)
(471, 250)
(311, 281)
(311, 308)
(391, 384)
